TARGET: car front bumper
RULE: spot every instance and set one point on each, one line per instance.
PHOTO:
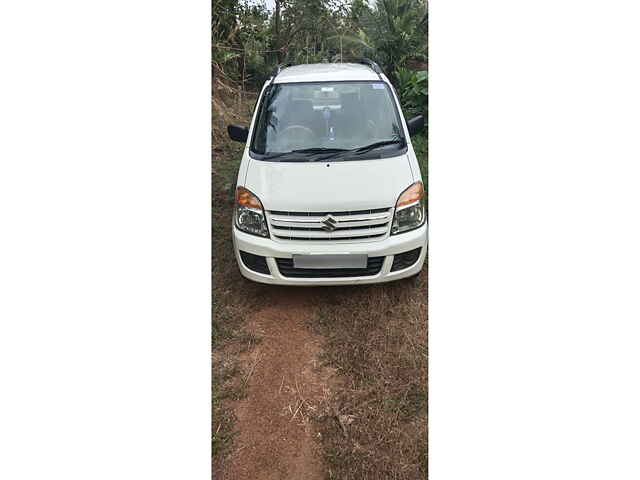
(387, 248)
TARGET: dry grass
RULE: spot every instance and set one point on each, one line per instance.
(233, 297)
(377, 339)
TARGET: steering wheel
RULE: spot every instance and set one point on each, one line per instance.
(295, 133)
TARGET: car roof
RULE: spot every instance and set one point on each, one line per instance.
(326, 72)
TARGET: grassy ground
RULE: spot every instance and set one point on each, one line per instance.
(233, 297)
(375, 336)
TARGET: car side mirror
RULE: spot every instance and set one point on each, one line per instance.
(415, 125)
(239, 133)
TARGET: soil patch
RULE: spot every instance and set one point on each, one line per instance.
(286, 388)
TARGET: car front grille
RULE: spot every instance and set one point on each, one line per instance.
(285, 265)
(334, 226)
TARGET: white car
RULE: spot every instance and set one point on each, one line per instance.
(329, 190)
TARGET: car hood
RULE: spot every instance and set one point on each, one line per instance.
(334, 186)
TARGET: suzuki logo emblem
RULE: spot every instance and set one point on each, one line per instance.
(329, 223)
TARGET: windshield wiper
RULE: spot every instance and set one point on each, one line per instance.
(336, 152)
(365, 149)
(305, 150)
(320, 150)
(383, 143)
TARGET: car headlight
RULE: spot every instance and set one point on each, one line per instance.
(249, 214)
(410, 212)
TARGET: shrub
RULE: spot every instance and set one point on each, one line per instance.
(412, 89)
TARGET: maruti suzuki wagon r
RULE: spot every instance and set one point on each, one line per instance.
(329, 190)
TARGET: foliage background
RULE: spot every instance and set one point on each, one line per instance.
(249, 41)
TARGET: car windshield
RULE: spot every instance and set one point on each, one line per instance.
(308, 119)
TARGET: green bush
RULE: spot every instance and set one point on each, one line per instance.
(412, 88)
(413, 91)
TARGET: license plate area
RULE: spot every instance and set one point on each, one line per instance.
(340, 260)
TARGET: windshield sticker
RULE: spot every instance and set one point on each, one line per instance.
(377, 86)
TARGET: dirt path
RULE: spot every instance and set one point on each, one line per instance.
(285, 388)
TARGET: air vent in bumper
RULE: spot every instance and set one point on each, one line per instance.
(257, 263)
(285, 265)
(405, 259)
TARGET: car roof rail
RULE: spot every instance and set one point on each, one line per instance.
(370, 63)
(279, 68)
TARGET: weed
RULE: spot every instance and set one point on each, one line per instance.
(376, 338)
(233, 298)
